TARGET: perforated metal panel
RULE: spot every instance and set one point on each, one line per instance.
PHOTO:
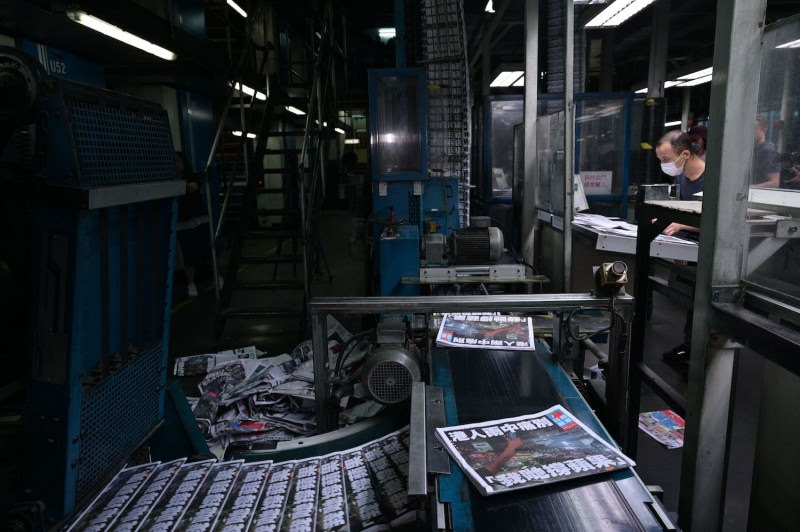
(120, 144)
(390, 382)
(413, 209)
(116, 414)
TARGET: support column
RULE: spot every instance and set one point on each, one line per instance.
(530, 179)
(569, 136)
(737, 67)
(659, 40)
(687, 99)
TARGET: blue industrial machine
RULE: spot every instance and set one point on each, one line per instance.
(103, 236)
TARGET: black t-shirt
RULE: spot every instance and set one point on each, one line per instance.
(765, 161)
(191, 204)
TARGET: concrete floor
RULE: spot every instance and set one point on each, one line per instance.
(191, 333)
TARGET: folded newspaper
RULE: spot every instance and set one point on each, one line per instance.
(486, 331)
(246, 398)
(665, 426)
(359, 489)
(533, 450)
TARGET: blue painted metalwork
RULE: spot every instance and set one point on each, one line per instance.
(400, 33)
(399, 257)
(101, 292)
(64, 65)
(488, 157)
(417, 170)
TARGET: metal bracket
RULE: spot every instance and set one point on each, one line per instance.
(417, 445)
(787, 228)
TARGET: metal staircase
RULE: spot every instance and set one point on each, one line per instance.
(274, 187)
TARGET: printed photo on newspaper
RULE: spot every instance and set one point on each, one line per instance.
(533, 450)
(665, 426)
(486, 331)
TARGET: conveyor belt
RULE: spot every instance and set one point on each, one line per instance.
(485, 385)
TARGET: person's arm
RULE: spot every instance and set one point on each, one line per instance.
(676, 227)
(773, 181)
(503, 457)
(192, 184)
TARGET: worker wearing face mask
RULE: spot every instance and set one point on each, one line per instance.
(680, 161)
(674, 150)
(698, 135)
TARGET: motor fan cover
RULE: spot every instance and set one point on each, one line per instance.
(389, 372)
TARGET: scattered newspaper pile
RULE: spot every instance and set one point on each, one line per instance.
(244, 398)
(665, 426)
(521, 452)
(615, 226)
(486, 331)
(363, 488)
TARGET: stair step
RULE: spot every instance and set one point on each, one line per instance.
(290, 151)
(275, 235)
(290, 100)
(245, 313)
(271, 212)
(269, 285)
(280, 259)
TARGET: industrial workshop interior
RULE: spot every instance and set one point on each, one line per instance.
(344, 265)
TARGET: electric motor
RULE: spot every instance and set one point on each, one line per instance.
(476, 245)
(389, 372)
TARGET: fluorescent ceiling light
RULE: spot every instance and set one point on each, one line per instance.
(351, 141)
(506, 78)
(295, 110)
(249, 91)
(698, 81)
(699, 74)
(520, 82)
(489, 7)
(617, 13)
(387, 33)
(790, 44)
(239, 134)
(675, 123)
(339, 130)
(324, 124)
(119, 34)
(236, 8)
(667, 84)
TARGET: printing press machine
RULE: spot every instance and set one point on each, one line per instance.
(459, 386)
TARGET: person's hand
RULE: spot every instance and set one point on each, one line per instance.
(192, 187)
(673, 228)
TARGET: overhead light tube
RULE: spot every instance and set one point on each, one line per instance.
(249, 91)
(670, 124)
(618, 12)
(236, 8)
(239, 134)
(489, 6)
(351, 141)
(295, 110)
(99, 25)
(339, 130)
(507, 78)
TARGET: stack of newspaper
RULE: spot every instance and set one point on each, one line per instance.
(363, 488)
(247, 397)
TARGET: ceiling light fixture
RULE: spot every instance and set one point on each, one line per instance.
(351, 141)
(489, 7)
(387, 33)
(339, 130)
(617, 13)
(81, 17)
(295, 110)
(667, 84)
(520, 82)
(790, 44)
(239, 134)
(506, 78)
(675, 123)
(248, 90)
(698, 81)
(236, 8)
(699, 74)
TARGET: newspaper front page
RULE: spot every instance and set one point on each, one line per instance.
(521, 452)
(486, 331)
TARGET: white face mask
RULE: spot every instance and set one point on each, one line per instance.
(671, 169)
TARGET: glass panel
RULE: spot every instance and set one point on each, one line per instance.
(505, 115)
(600, 145)
(550, 158)
(398, 131)
(774, 250)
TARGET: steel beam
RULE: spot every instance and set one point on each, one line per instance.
(530, 179)
(569, 136)
(659, 41)
(737, 67)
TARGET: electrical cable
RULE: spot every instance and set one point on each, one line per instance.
(580, 337)
(347, 347)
